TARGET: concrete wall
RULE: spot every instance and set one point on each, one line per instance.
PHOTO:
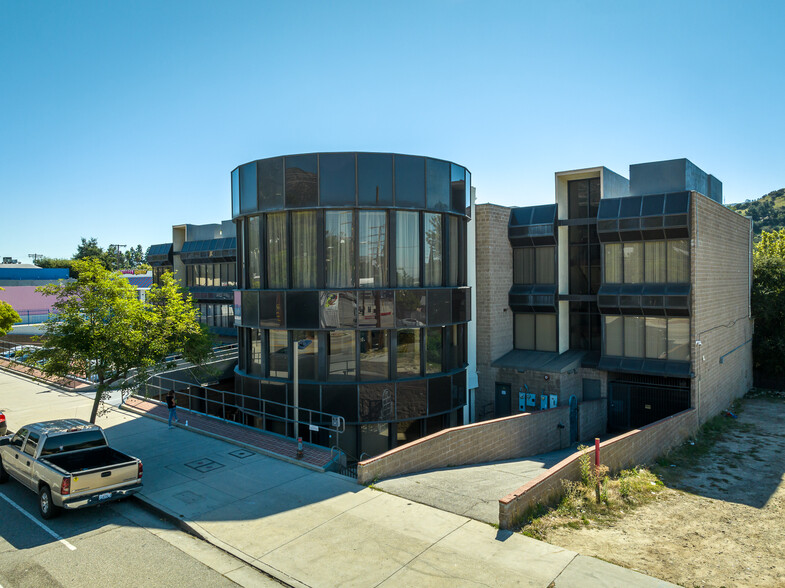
(506, 438)
(632, 448)
(494, 280)
(721, 263)
(592, 419)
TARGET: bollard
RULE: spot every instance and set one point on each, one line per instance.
(299, 447)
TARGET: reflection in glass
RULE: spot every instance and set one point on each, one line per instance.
(304, 249)
(433, 350)
(654, 261)
(614, 335)
(235, 192)
(377, 403)
(374, 355)
(338, 310)
(308, 358)
(374, 179)
(438, 185)
(407, 248)
(301, 186)
(271, 183)
(679, 261)
(454, 252)
(248, 188)
(679, 339)
(341, 358)
(410, 308)
(408, 353)
(279, 353)
(254, 253)
(455, 347)
(372, 245)
(656, 338)
(633, 262)
(434, 246)
(336, 179)
(409, 181)
(376, 309)
(457, 189)
(411, 400)
(374, 437)
(339, 248)
(256, 366)
(276, 250)
(271, 309)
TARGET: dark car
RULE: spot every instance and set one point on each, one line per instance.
(3, 426)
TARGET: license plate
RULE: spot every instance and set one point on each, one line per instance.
(104, 496)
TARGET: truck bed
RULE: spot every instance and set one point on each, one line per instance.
(89, 459)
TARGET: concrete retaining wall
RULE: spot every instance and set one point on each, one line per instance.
(505, 438)
(632, 448)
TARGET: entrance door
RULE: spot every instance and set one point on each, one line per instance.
(502, 406)
(573, 419)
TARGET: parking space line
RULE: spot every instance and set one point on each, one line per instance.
(37, 522)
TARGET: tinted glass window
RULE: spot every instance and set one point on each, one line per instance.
(248, 188)
(340, 400)
(341, 358)
(336, 179)
(411, 400)
(73, 442)
(308, 356)
(251, 308)
(304, 249)
(438, 185)
(256, 348)
(439, 395)
(339, 248)
(407, 248)
(614, 335)
(236, 192)
(454, 252)
(434, 351)
(678, 260)
(374, 179)
(408, 353)
(377, 403)
(409, 181)
(374, 355)
(279, 353)
(372, 245)
(271, 309)
(338, 310)
(455, 347)
(270, 173)
(439, 307)
(302, 309)
(457, 189)
(376, 309)
(277, 261)
(301, 186)
(410, 308)
(679, 339)
(433, 249)
(32, 443)
(254, 253)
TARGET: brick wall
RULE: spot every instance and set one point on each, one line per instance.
(720, 319)
(519, 435)
(632, 448)
(494, 280)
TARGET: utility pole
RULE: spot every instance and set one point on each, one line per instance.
(35, 256)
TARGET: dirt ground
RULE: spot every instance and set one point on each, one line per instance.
(721, 523)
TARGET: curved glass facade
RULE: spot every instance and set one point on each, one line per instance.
(360, 257)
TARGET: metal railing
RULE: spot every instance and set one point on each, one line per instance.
(277, 417)
(34, 316)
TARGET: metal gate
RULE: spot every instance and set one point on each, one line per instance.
(633, 404)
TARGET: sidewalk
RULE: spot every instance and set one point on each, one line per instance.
(308, 528)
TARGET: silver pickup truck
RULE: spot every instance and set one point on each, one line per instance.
(69, 464)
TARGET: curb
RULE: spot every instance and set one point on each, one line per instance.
(259, 450)
(197, 531)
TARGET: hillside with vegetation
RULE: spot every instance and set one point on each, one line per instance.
(767, 212)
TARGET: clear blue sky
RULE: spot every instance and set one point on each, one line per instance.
(120, 119)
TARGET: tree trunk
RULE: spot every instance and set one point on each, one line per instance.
(99, 392)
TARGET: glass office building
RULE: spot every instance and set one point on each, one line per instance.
(355, 264)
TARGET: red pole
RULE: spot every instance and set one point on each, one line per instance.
(596, 452)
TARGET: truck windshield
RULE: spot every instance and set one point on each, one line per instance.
(73, 442)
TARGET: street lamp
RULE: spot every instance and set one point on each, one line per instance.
(301, 344)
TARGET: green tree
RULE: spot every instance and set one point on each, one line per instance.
(89, 248)
(768, 303)
(102, 331)
(8, 317)
(50, 262)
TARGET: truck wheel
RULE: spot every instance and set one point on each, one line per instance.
(45, 505)
(3, 473)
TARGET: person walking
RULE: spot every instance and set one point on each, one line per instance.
(171, 403)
